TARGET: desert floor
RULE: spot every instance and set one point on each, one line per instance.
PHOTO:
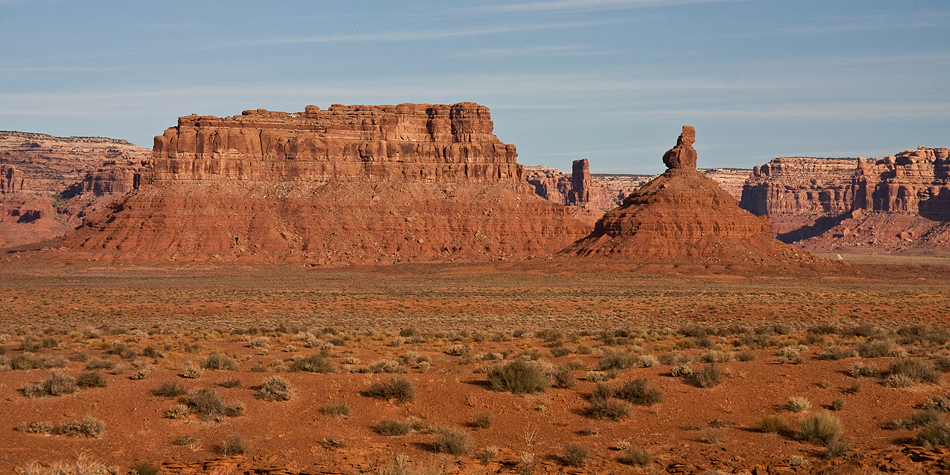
(838, 339)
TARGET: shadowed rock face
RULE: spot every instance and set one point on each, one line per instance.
(350, 184)
(683, 216)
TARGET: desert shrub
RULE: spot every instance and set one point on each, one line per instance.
(789, 355)
(275, 388)
(635, 456)
(312, 364)
(797, 404)
(258, 368)
(232, 383)
(206, 403)
(707, 377)
(99, 363)
(184, 440)
(639, 392)
(714, 436)
(563, 378)
(823, 428)
(936, 433)
(178, 411)
(917, 370)
(682, 369)
(860, 369)
(596, 376)
(838, 405)
(397, 389)
(192, 372)
(152, 352)
(921, 418)
(875, 348)
(836, 449)
(608, 409)
(772, 424)
(616, 360)
(745, 356)
(30, 345)
(24, 361)
(170, 389)
(575, 455)
(91, 380)
(233, 445)
(482, 421)
(452, 441)
(339, 409)
(387, 366)
(88, 427)
(602, 392)
(147, 468)
(142, 370)
(518, 377)
(486, 455)
(37, 427)
(220, 361)
(57, 385)
(899, 381)
(392, 427)
(715, 356)
(835, 353)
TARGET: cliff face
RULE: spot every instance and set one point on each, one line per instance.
(349, 184)
(899, 203)
(47, 184)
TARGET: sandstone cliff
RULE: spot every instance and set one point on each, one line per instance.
(348, 184)
(47, 184)
(682, 216)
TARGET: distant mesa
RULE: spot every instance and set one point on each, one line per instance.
(682, 216)
(351, 184)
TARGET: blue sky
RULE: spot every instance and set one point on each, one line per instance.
(607, 80)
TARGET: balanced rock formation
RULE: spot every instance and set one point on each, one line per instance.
(682, 216)
(48, 184)
(348, 184)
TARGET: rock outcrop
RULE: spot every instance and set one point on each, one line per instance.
(684, 217)
(801, 196)
(580, 183)
(344, 185)
(47, 184)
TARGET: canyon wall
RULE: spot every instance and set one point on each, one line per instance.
(344, 185)
(48, 184)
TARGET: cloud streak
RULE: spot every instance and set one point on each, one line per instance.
(585, 5)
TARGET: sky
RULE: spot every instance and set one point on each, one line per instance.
(612, 81)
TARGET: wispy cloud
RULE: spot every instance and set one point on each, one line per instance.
(817, 111)
(534, 51)
(584, 5)
(421, 34)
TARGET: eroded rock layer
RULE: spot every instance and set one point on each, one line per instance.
(48, 184)
(350, 184)
(683, 216)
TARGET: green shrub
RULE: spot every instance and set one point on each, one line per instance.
(170, 389)
(518, 377)
(91, 380)
(312, 364)
(707, 377)
(275, 388)
(220, 361)
(575, 455)
(634, 456)
(396, 389)
(639, 392)
(452, 441)
(823, 428)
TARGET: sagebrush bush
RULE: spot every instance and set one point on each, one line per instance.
(935, 433)
(635, 456)
(798, 404)
(91, 380)
(220, 361)
(875, 348)
(915, 369)
(857, 370)
(482, 421)
(275, 388)
(616, 360)
(823, 428)
(452, 441)
(575, 454)
(312, 364)
(88, 427)
(707, 377)
(639, 392)
(335, 410)
(563, 378)
(57, 385)
(518, 377)
(396, 389)
(233, 445)
(170, 389)
(608, 409)
(772, 424)
(392, 427)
